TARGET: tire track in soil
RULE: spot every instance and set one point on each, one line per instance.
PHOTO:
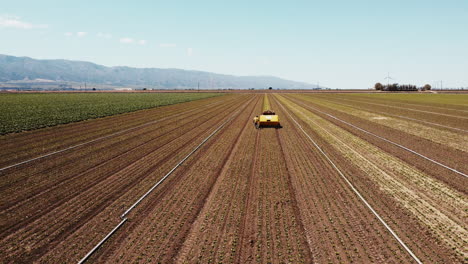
(271, 233)
(295, 205)
(248, 203)
(190, 242)
(170, 186)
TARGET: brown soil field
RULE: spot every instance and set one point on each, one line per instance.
(317, 190)
(443, 153)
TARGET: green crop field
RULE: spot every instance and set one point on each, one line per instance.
(19, 112)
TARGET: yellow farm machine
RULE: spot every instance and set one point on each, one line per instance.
(267, 119)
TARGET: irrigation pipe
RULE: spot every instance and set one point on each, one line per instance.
(83, 260)
(356, 191)
(397, 116)
(389, 141)
(97, 139)
(123, 216)
(173, 169)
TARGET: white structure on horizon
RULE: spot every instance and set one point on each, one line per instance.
(124, 89)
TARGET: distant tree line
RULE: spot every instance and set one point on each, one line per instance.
(400, 87)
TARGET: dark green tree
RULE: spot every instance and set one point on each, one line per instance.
(378, 86)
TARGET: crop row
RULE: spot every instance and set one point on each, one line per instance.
(30, 144)
(273, 230)
(454, 139)
(449, 103)
(162, 222)
(247, 196)
(26, 180)
(216, 235)
(393, 179)
(444, 116)
(20, 112)
(105, 195)
(339, 226)
(450, 157)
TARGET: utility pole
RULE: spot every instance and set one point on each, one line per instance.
(198, 86)
(87, 76)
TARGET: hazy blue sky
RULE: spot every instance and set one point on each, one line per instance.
(341, 44)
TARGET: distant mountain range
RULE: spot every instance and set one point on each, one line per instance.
(27, 70)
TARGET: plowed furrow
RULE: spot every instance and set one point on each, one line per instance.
(215, 234)
(30, 144)
(449, 156)
(419, 236)
(125, 150)
(95, 200)
(176, 204)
